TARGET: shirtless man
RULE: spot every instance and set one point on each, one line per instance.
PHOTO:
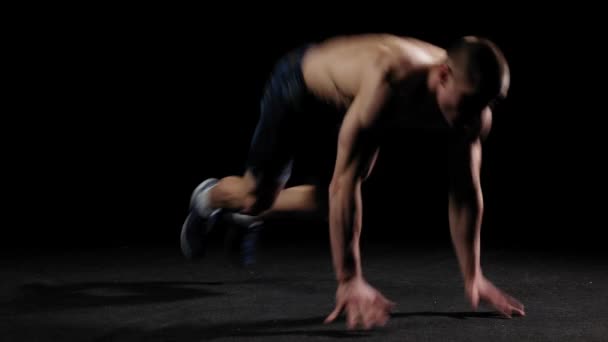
(361, 87)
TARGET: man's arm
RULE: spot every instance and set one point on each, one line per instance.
(465, 216)
(465, 195)
(357, 148)
(466, 207)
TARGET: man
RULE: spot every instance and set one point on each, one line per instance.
(361, 87)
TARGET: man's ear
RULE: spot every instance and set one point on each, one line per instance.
(444, 73)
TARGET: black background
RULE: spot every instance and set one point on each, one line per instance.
(111, 127)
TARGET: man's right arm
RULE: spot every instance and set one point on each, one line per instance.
(357, 147)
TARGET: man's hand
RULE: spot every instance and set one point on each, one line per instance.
(483, 290)
(363, 304)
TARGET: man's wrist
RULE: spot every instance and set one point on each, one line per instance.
(472, 278)
(347, 276)
(343, 277)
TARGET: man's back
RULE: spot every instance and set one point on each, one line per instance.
(333, 69)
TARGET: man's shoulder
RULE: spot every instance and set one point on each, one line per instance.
(388, 47)
(406, 56)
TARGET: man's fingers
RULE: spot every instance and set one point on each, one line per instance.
(374, 316)
(505, 307)
(514, 302)
(334, 314)
(509, 304)
(384, 303)
(383, 319)
(499, 302)
(381, 316)
(351, 316)
(518, 311)
(512, 305)
(518, 308)
(368, 323)
(502, 302)
(382, 309)
(474, 298)
(509, 310)
(368, 316)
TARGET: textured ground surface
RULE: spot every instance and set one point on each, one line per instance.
(152, 294)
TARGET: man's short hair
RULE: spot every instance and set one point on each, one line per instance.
(484, 66)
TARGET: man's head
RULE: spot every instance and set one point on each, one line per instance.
(474, 75)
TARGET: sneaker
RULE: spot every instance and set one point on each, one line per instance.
(199, 222)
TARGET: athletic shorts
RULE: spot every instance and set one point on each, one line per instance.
(296, 133)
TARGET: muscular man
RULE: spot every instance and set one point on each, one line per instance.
(360, 88)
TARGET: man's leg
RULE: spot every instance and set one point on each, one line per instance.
(238, 194)
(268, 165)
(233, 198)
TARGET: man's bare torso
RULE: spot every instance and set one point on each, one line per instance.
(333, 69)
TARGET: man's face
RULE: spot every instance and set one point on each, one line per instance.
(456, 99)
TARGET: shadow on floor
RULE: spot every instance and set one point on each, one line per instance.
(37, 297)
(311, 327)
(458, 315)
(192, 332)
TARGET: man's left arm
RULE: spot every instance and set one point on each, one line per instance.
(465, 208)
(465, 216)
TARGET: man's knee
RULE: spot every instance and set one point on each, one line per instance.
(230, 191)
(259, 201)
(263, 193)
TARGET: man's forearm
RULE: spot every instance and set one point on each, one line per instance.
(465, 216)
(345, 228)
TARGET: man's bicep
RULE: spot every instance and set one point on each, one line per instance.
(354, 142)
(358, 138)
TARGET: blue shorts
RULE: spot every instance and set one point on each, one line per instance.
(293, 125)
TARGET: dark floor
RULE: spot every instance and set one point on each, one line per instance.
(152, 294)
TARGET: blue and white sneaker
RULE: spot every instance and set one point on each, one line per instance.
(200, 221)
